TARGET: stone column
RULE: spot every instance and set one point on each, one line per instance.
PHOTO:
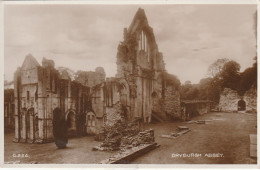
(31, 137)
(23, 130)
(16, 120)
(41, 102)
(16, 108)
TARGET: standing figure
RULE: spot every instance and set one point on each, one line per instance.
(60, 133)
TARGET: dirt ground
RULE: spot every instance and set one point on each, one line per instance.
(225, 134)
(78, 151)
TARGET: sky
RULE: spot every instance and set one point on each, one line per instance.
(83, 37)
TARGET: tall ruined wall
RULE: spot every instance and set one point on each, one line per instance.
(171, 102)
(41, 89)
(91, 78)
(229, 100)
(9, 108)
(141, 64)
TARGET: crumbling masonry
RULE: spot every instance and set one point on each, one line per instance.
(141, 90)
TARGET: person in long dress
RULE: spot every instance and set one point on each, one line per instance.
(60, 133)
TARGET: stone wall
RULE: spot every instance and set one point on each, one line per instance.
(229, 100)
(251, 98)
(141, 65)
(113, 114)
(171, 102)
(9, 108)
(91, 78)
(41, 89)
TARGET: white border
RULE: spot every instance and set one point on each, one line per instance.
(103, 166)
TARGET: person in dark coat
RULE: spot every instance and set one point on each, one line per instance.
(60, 133)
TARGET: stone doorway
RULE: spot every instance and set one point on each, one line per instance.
(241, 105)
(71, 123)
(91, 123)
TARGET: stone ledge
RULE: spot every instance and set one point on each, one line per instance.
(127, 158)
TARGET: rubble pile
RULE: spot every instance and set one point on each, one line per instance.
(143, 137)
(123, 136)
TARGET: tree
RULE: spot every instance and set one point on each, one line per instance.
(216, 67)
(230, 76)
(188, 82)
(172, 80)
(248, 78)
(215, 83)
(204, 87)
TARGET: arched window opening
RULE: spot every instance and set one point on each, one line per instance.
(71, 120)
(143, 45)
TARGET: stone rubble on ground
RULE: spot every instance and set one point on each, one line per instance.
(123, 136)
(181, 130)
(198, 121)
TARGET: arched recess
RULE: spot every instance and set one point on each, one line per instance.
(90, 123)
(125, 98)
(124, 92)
(155, 102)
(241, 105)
(71, 122)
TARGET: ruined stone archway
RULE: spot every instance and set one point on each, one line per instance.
(71, 123)
(241, 105)
(90, 123)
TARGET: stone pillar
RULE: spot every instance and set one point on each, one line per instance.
(41, 102)
(31, 137)
(16, 108)
(16, 135)
(48, 119)
(23, 130)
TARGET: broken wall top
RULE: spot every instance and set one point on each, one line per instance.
(29, 63)
(139, 23)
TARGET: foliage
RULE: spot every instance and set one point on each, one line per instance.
(248, 78)
(224, 73)
(216, 67)
(230, 75)
(172, 80)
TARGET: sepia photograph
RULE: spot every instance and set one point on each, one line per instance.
(88, 83)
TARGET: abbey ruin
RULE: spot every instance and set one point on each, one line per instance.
(142, 89)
